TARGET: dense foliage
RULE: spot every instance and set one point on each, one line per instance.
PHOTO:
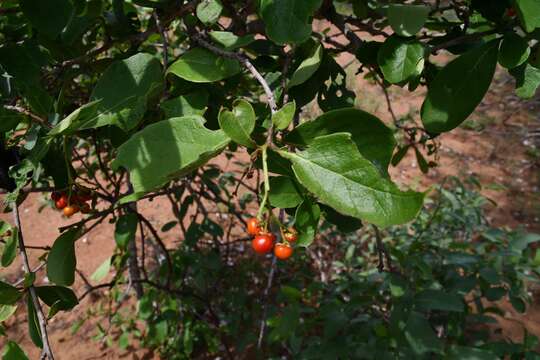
(106, 103)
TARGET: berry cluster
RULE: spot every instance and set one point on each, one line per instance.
(72, 203)
(263, 241)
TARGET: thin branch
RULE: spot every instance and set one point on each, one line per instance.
(462, 39)
(47, 351)
(30, 114)
(246, 63)
(164, 40)
(381, 251)
(262, 327)
(386, 96)
(140, 37)
(161, 245)
(90, 218)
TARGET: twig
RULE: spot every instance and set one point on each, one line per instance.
(140, 37)
(246, 63)
(84, 221)
(381, 251)
(133, 262)
(36, 269)
(161, 245)
(46, 352)
(265, 298)
(164, 40)
(386, 96)
(26, 112)
(462, 39)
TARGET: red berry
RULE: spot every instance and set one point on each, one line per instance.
(283, 251)
(70, 210)
(62, 202)
(253, 226)
(56, 195)
(263, 243)
(510, 12)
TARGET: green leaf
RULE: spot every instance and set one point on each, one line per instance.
(61, 261)
(307, 67)
(239, 123)
(125, 89)
(490, 275)
(59, 297)
(208, 11)
(12, 351)
(9, 120)
(230, 41)
(288, 21)
(23, 62)
(527, 80)
(10, 248)
(194, 103)
(50, 17)
(167, 150)
(344, 223)
(78, 119)
(529, 13)
(8, 294)
(457, 352)
(333, 169)
(439, 300)
(6, 311)
(29, 279)
(399, 155)
(284, 116)
(421, 160)
(373, 139)
(407, 20)
(284, 192)
(514, 51)
(401, 59)
(458, 88)
(102, 270)
(518, 304)
(123, 341)
(307, 222)
(420, 335)
(125, 230)
(202, 66)
(33, 323)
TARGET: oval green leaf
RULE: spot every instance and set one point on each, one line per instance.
(401, 59)
(61, 261)
(306, 222)
(202, 66)
(407, 20)
(125, 229)
(288, 21)
(8, 294)
(208, 11)
(307, 67)
(458, 88)
(334, 170)
(514, 51)
(167, 150)
(239, 123)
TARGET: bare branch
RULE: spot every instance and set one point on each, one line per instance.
(30, 114)
(47, 351)
(246, 63)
